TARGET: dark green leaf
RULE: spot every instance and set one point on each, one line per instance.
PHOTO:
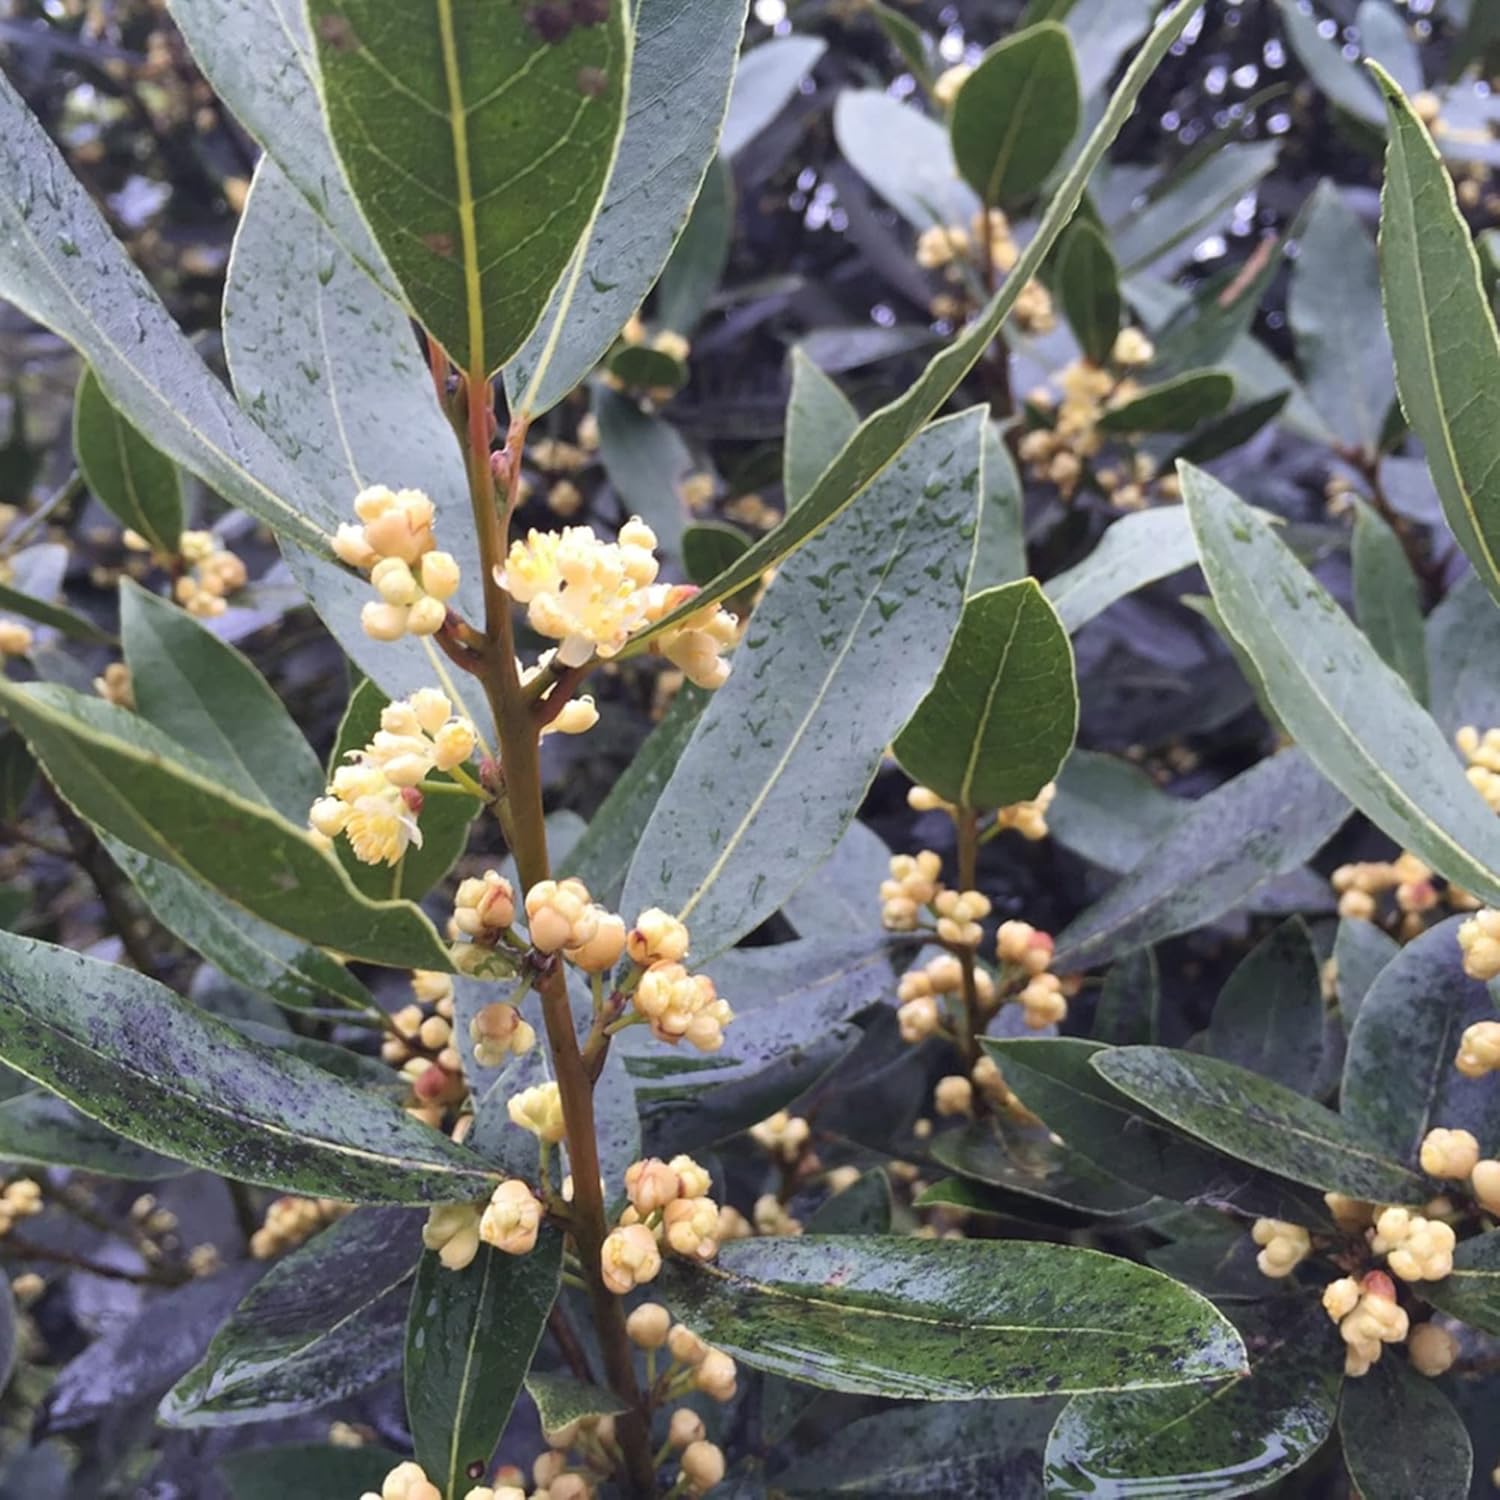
(767, 77)
(468, 1348)
(1017, 114)
(1111, 812)
(1088, 285)
(17, 775)
(820, 419)
(303, 1471)
(1231, 430)
(708, 547)
(1388, 600)
(1463, 641)
(1129, 1009)
(204, 694)
(458, 125)
(132, 1055)
(42, 1130)
(130, 781)
(1000, 719)
(1258, 1121)
(648, 371)
(1134, 551)
(1402, 1437)
(864, 1207)
(914, 45)
(1335, 695)
(1360, 951)
(561, 1400)
(1177, 405)
(30, 585)
(950, 1320)
(1472, 1292)
(836, 896)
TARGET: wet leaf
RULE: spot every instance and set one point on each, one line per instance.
(40, 1129)
(820, 419)
(1402, 1437)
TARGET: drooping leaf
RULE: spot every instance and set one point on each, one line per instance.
(680, 76)
(478, 141)
(134, 481)
(1360, 953)
(1176, 405)
(291, 1345)
(132, 1055)
(41, 1129)
(561, 1400)
(51, 231)
(1388, 600)
(1402, 1436)
(1443, 332)
(1135, 550)
(205, 695)
(957, 1320)
(1088, 284)
(129, 780)
(1129, 1008)
(1265, 822)
(708, 547)
(908, 38)
(1343, 82)
(1017, 114)
(469, 1345)
(1334, 309)
(767, 77)
(819, 420)
(796, 720)
(32, 588)
(1260, 1122)
(1336, 697)
(883, 435)
(1000, 719)
(304, 1471)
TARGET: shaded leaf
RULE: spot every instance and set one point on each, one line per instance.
(1176, 405)
(708, 547)
(767, 77)
(1088, 285)
(1472, 1292)
(820, 419)
(1129, 1008)
(1000, 548)
(862, 1208)
(561, 1400)
(904, 156)
(1341, 81)
(1360, 952)
(304, 1471)
(1388, 600)
(1402, 1437)
(645, 460)
(693, 274)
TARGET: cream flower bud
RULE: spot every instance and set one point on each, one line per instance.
(453, 744)
(350, 546)
(657, 937)
(577, 716)
(651, 1185)
(1340, 1298)
(690, 1227)
(440, 575)
(485, 904)
(383, 622)
(1485, 1180)
(559, 914)
(498, 1032)
(685, 1346)
(538, 1110)
(1132, 348)
(1431, 1349)
(512, 1218)
(328, 816)
(1479, 941)
(702, 1466)
(602, 951)
(953, 1095)
(452, 1229)
(918, 1019)
(426, 616)
(1449, 1153)
(396, 525)
(395, 582)
(431, 986)
(629, 1258)
(949, 82)
(1284, 1246)
(1479, 1049)
(693, 1181)
(685, 1427)
(715, 1375)
(409, 1482)
(648, 1325)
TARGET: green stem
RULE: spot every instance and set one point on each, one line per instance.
(969, 1019)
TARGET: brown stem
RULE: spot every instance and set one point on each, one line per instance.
(20, 1249)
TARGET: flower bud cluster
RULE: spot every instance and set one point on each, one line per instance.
(576, 716)
(561, 917)
(1416, 1248)
(697, 645)
(1284, 1246)
(783, 1135)
(499, 1031)
(1482, 752)
(1449, 1153)
(1479, 1049)
(211, 573)
(772, 1219)
(395, 546)
(512, 1218)
(291, 1221)
(668, 1205)
(959, 914)
(1479, 942)
(421, 1044)
(1029, 819)
(539, 1110)
(1368, 1317)
(963, 251)
(20, 1199)
(682, 1007)
(914, 883)
(1416, 893)
(953, 1095)
(696, 1365)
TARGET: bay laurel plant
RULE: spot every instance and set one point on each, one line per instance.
(717, 1146)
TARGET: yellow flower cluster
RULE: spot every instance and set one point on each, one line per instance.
(115, 685)
(1479, 941)
(1368, 1318)
(668, 1205)
(784, 1135)
(1449, 1153)
(1482, 752)
(1416, 893)
(21, 1199)
(409, 1481)
(421, 1045)
(212, 571)
(292, 1221)
(561, 917)
(960, 251)
(1284, 1246)
(498, 1031)
(539, 1110)
(396, 547)
(680, 1006)
(1416, 1248)
(1029, 819)
(695, 1364)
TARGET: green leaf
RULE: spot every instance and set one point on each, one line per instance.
(1399, 1078)
(1337, 698)
(1443, 332)
(1342, 82)
(1388, 600)
(795, 737)
(1111, 812)
(680, 78)
(445, 821)
(1102, 31)
(469, 1345)
(1017, 114)
(904, 155)
(1000, 548)
(1264, 823)
(708, 547)
(1175, 405)
(909, 40)
(561, 1400)
(999, 721)
(43, 1130)
(135, 482)
(836, 897)
(955, 1320)
(289, 1346)
(1129, 1008)
(1402, 1436)
(129, 780)
(693, 274)
(767, 77)
(259, 59)
(862, 1208)
(820, 419)
(1235, 1437)
(1260, 1122)
(1269, 1015)
(645, 460)
(1134, 551)
(1233, 429)
(132, 1055)
(34, 584)
(329, 369)
(1472, 1292)
(478, 146)
(1334, 309)
(62, 267)
(1088, 284)
(878, 440)
(205, 695)
(304, 1471)
(1360, 952)
(647, 371)
(1463, 639)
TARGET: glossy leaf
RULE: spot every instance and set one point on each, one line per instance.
(290, 1345)
(314, 350)
(478, 147)
(820, 419)
(205, 695)
(708, 547)
(1360, 952)
(794, 738)
(1088, 284)
(1000, 548)
(956, 1320)
(883, 435)
(468, 1347)
(1336, 697)
(1388, 600)
(1265, 822)
(1176, 405)
(1334, 309)
(41, 1129)
(1443, 332)
(1000, 719)
(680, 76)
(304, 1471)
(50, 231)
(132, 782)
(1134, 551)
(1260, 1122)
(1472, 1292)
(134, 481)
(1017, 114)
(132, 1055)
(767, 77)
(1402, 1436)
(1399, 1078)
